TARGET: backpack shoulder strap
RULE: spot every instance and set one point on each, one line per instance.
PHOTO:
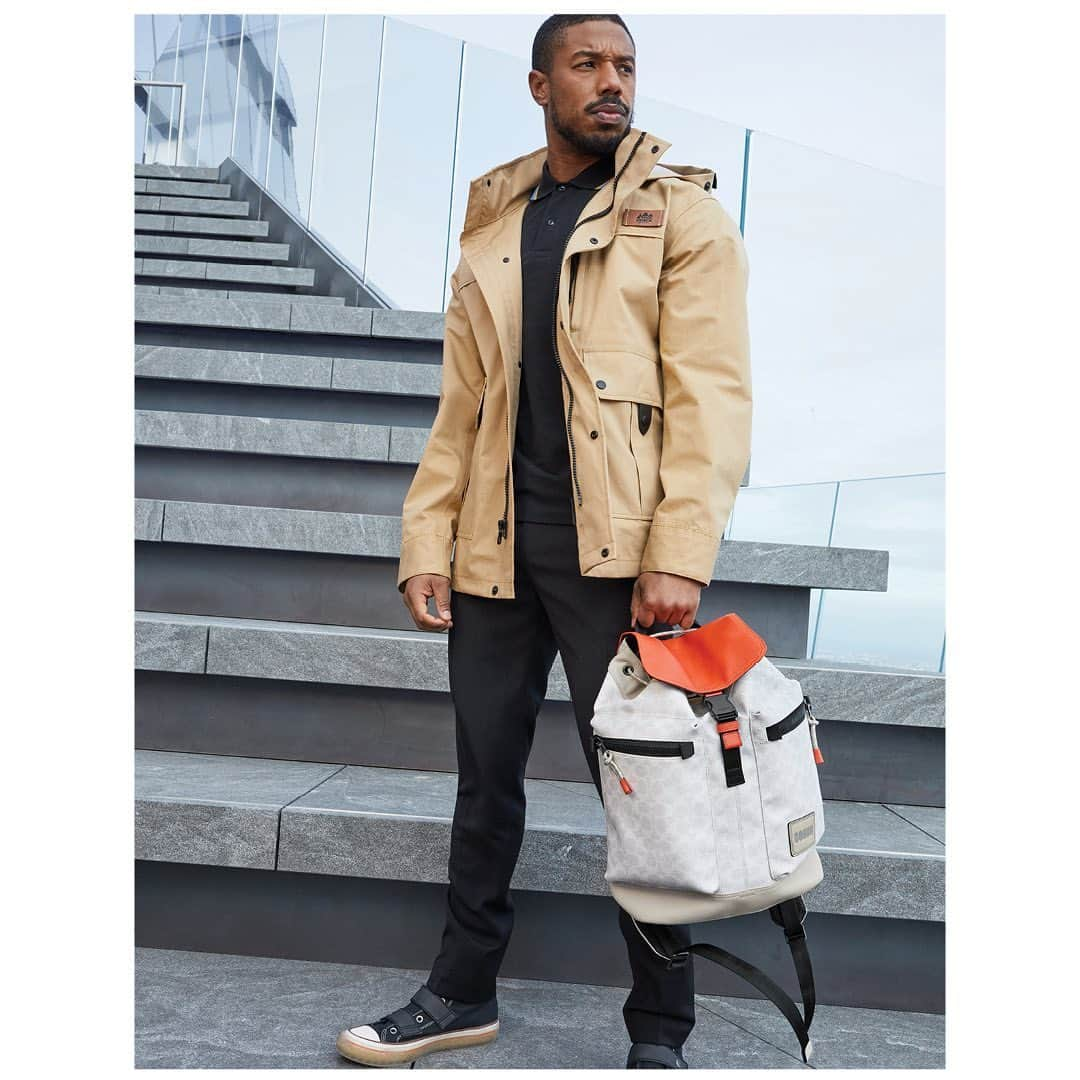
(790, 915)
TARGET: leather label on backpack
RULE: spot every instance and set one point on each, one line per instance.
(801, 833)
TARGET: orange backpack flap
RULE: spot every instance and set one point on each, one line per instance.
(705, 660)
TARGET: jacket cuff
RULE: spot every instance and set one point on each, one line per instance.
(427, 554)
(685, 550)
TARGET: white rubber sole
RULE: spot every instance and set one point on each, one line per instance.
(370, 1052)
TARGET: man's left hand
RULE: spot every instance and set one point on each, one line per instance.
(666, 598)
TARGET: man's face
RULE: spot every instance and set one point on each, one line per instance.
(591, 86)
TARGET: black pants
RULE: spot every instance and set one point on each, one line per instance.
(500, 655)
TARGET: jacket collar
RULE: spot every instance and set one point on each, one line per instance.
(508, 186)
(590, 178)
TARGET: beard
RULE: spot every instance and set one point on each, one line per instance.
(595, 143)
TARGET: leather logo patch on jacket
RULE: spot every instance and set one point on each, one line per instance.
(642, 217)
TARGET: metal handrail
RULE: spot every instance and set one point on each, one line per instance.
(180, 120)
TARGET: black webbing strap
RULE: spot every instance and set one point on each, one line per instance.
(721, 708)
(789, 914)
(788, 723)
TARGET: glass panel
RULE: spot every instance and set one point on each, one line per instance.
(795, 514)
(904, 626)
(144, 64)
(846, 317)
(414, 156)
(140, 123)
(219, 92)
(342, 183)
(499, 122)
(296, 96)
(152, 36)
(259, 45)
(162, 103)
(191, 63)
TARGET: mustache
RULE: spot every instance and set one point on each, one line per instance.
(609, 105)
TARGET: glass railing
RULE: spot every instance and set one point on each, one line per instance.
(903, 627)
(159, 121)
(846, 262)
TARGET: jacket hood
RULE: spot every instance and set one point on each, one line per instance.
(497, 191)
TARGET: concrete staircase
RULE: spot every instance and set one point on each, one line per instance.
(295, 764)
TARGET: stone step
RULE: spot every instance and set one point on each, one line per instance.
(190, 1006)
(272, 435)
(234, 294)
(351, 321)
(375, 536)
(357, 821)
(203, 225)
(193, 269)
(416, 660)
(174, 204)
(177, 172)
(290, 315)
(192, 189)
(243, 251)
(309, 372)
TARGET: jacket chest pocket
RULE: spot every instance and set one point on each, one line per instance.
(617, 282)
(631, 399)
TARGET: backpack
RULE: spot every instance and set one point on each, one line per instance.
(708, 756)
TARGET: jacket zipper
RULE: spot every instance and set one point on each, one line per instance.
(558, 359)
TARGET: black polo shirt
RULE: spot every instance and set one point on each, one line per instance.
(542, 484)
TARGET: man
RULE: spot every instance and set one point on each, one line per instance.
(592, 431)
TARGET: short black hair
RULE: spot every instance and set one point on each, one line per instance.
(550, 35)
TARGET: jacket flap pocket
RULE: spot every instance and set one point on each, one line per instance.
(625, 376)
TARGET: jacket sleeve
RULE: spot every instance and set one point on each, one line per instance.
(429, 514)
(705, 357)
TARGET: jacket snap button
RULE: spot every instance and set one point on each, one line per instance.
(506, 258)
(593, 240)
(604, 551)
(601, 384)
(706, 185)
(594, 434)
(654, 150)
(494, 589)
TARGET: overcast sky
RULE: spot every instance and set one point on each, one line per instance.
(866, 87)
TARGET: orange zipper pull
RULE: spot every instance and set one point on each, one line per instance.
(818, 756)
(623, 782)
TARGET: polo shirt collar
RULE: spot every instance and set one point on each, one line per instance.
(591, 177)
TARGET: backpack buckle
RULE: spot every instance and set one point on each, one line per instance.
(726, 717)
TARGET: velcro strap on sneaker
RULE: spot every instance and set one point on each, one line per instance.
(433, 1005)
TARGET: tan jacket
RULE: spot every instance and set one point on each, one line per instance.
(651, 310)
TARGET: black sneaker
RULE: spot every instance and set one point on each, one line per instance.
(429, 1022)
(655, 1056)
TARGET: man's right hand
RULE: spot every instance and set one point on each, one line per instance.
(418, 589)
